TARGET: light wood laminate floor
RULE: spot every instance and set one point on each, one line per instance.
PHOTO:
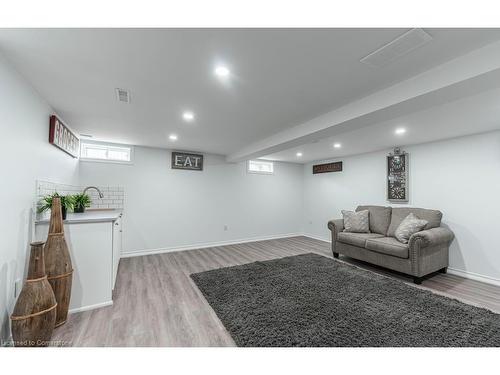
(157, 304)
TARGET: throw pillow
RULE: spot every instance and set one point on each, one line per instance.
(411, 224)
(356, 222)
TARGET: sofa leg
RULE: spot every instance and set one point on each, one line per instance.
(443, 270)
(335, 255)
(417, 280)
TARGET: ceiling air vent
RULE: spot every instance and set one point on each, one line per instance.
(398, 47)
(123, 95)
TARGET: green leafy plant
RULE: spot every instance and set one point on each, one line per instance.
(81, 201)
(67, 202)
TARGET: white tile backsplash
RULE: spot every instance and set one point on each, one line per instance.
(114, 196)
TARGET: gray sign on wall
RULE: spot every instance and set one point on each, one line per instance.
(188, 161)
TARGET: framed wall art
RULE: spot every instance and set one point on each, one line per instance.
(328, 167)
(63, 138)
(397, 176)
(187, 161)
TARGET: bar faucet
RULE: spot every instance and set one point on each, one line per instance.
(101, 195)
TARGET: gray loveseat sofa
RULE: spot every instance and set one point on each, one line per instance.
(425, 253)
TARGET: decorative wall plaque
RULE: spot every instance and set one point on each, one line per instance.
(63, 138)
(397, 176)
(187, 161)
(328, 167)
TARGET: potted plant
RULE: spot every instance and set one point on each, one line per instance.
(66, 203)
(80, 202)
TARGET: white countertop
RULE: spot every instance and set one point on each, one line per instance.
(89, 216)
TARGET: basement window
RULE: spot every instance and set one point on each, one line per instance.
(106, 152)
(260, 167)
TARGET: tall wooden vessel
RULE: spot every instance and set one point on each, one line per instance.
(34, 314)
(58, 262)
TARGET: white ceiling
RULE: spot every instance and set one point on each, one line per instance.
(281, 79)
(475, 114)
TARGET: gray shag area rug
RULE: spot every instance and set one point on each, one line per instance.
(311, 300)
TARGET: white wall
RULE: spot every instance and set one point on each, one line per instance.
(460, 177)
(167, 208)
(25, 156)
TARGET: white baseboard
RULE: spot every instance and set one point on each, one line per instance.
(451, 270)
(316, 237)
(474, 276)
(91, 307)
(137, 253)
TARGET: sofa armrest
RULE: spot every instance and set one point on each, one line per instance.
(429, 250)
(432, 237)
(336, 226)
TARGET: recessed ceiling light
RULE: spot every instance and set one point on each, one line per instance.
(337, 145)
(222, 71)
(188, 116)
(172, 137)
(299, 154)
(400, 131)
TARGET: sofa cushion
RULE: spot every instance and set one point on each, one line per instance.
(356, 239)
(433, 218)
(389, 246)
(409, 226)
(357, 222)
(380, 218)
